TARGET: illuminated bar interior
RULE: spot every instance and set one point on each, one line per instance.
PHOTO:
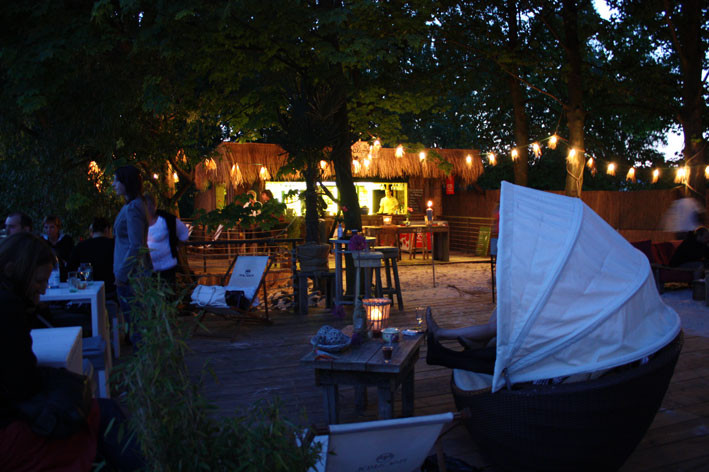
(370, 194)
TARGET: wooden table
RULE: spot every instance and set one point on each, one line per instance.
(95, 294)
(364, 365)
(440, 234)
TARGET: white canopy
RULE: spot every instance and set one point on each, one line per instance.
(573, 295)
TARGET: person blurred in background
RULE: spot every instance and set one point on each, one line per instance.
(165, 233)
(683, 216)
(17, 222)
(130, 232)
(266, 195)
(61, 243)
(98, 251)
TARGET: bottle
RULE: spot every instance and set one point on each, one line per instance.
(340, 231)
(54, 279)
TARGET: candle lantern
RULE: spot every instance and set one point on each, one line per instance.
(387, 220)
(429, 212)
(377, 314)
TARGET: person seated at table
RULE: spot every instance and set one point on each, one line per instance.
(477, 356)
(266, 196)
(17, 222)
(693, 252)
(61, 243)
(97, 251)
(165, 233)
(388, 204)
(26, 261)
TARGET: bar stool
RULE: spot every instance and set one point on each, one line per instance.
(390, 256)
(368, 262)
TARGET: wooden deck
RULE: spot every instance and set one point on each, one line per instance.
(263, 363)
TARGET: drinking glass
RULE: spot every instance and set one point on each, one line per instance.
(73, 280)
(420, 315)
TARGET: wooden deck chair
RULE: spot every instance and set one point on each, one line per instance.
(398, 445)
(247, 273)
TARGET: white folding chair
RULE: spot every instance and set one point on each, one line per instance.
(399, 445)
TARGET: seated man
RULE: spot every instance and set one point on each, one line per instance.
(61, 243)
(693, 251)
(18, 222)
(98, 251)
(476, 359)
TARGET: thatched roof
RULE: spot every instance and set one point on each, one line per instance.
(238, 163)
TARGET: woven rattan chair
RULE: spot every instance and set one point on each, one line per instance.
(593, 425)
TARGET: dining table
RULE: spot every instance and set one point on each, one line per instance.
(95, 295)
(439, 231)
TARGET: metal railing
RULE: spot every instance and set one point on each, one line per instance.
(465, 231)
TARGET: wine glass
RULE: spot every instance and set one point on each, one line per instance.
(86, 271)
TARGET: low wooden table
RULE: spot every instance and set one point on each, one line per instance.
(364, 365)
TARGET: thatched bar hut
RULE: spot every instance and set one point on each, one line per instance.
(414, 177)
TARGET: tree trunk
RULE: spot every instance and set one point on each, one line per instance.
(689, 47)
(575, 113)
(312, 227)
(342, 160)
(521, 165)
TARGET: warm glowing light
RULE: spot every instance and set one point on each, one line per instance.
(706, 172)
(356, 165)
(155, 176)
(175, 177)
(590, 163)
(655, 176)
(93, 168)
(235, 175)
(430, 203)
(631, 174)
(514, 154)
(536, 150)
(492, 159)
(571, 155)
(469, 160)
(377, 144)
(367, 162)
(552, 141)
(263, 173)
(399, 151)
(681, 175)
(323, 165)
(422, 156)
(210, 164)
(611, 169)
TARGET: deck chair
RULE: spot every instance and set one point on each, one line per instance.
(247, 273)
(399, 445)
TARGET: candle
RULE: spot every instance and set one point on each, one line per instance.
(375, 316)
(429, 212)
(387, 220)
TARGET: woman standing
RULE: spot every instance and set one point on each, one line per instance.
(164, 235)
(25, 264)
(130, 233)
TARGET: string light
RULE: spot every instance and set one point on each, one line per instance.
(356, 165)
(631, 174)
(469, 160)
(263, 173)
(591, 164)
(399, 151)
(706, 172)
(537, 150)
(572, 154)
(681, 175)
(236, 177)
(492, 159)
(175, 177)
(323, 165)
(552, 141)
(377, 144)
(367, 162)
(155, 176)
(655, 175)
(611, 169)
(422, 156)
(514, 154)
